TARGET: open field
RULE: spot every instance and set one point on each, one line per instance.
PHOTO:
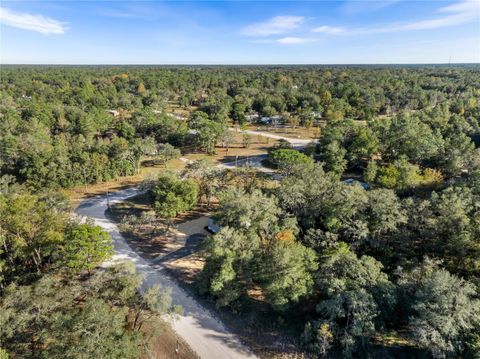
(259, 145)
(297, 132)
(78, 193)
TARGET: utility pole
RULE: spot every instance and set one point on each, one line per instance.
(85, 179)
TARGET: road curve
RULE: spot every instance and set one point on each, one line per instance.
(198, 326)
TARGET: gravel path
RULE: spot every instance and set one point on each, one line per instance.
(199, 327)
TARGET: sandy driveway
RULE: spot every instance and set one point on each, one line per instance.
(199, 327)
(297, 143)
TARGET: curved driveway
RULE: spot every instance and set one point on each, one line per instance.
(298, 143)
(199, 327)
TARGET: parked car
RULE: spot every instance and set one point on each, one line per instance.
(212, 227)
(352, 181)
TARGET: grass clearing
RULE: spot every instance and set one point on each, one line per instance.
(79, 193)
(259, 145)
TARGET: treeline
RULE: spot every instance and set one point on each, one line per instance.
(402, 257)
(357, 267)
(66, 126)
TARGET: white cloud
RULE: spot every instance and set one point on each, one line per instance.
(459, 13)
(39, 23)
(325, 29)
(353, 7)
(292, 40)
(274, 26)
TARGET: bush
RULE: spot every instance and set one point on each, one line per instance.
(173, 195)
(285, 159)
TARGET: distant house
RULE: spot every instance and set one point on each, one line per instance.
(273, 120)
(351, 181)
(252, 116)
(114, 113)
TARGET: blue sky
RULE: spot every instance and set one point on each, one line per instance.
(241, 32)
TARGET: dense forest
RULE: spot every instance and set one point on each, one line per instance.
(395, 252)
(57, 131)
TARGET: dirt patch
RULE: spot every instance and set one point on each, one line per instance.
(259, 145)
(187, 268)
(168, 345)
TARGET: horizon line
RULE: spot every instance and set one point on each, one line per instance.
(239, 64)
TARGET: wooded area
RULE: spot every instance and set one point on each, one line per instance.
(395, 251)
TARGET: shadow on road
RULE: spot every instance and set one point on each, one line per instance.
(190, 247)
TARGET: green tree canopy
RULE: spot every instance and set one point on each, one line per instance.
(172, 195)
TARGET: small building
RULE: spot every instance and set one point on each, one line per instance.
(114, 113)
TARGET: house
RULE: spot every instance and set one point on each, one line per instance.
(114, 113)
(273, 120)
(252, 116)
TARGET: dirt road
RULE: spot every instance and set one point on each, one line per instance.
(199, 327)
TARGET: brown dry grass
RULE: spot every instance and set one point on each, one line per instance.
(258, 146)
(187, 268)
(77, 194)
